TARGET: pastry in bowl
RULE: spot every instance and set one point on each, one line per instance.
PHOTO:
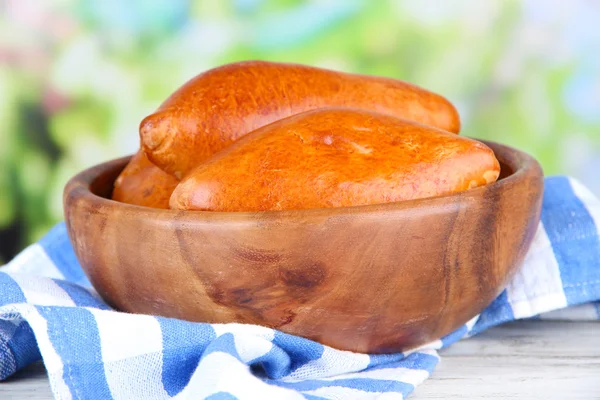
(144, 184)
(215, 108)
(335, 157)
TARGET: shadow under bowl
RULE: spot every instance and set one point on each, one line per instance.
(371, 279)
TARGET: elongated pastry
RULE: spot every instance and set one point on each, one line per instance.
(215, 108)
(144, 184)
(335, 158)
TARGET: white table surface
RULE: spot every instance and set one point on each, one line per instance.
(521, 360)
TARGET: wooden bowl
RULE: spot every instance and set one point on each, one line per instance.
(370, 279)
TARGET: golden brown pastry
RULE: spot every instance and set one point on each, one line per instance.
(144, 184)
(335, 158)
(215, 108)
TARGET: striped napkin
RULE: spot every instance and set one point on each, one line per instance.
(48, 310)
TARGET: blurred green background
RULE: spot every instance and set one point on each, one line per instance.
(76, 77)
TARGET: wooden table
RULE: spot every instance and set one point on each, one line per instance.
(521, 360)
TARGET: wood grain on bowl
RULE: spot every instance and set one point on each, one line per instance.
(374, 279)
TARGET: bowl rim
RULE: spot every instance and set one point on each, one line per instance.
(79, 187)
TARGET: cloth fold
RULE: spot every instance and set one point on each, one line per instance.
(49, 311)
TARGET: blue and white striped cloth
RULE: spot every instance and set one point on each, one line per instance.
(48, 311)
